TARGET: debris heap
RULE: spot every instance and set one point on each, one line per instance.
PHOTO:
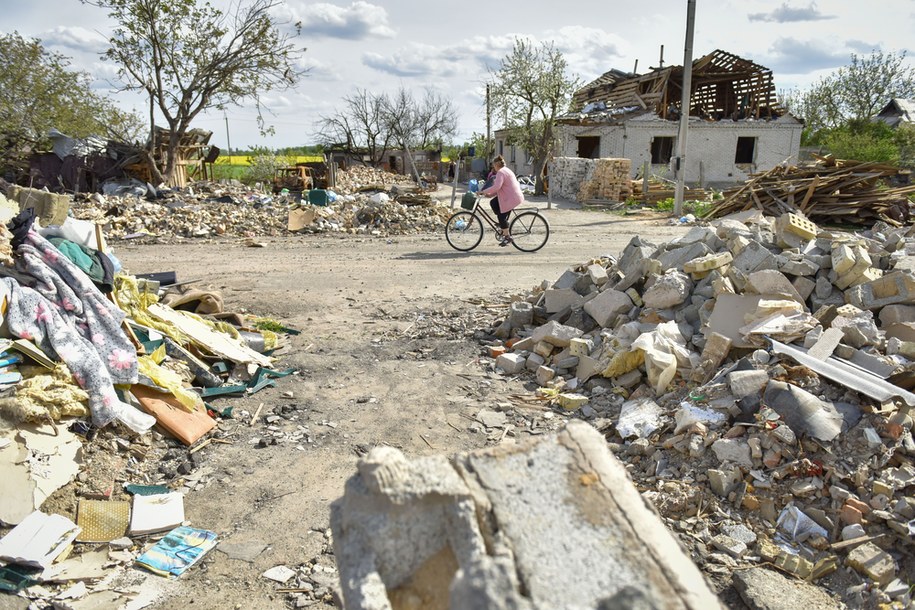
(755, 376)
(366, 201)
(830, 190)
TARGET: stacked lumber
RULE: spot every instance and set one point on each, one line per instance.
(659, 191)
(828, 191)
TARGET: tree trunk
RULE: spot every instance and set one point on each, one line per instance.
(538, 167)
(171, 157)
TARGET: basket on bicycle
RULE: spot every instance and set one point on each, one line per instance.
(468, 201)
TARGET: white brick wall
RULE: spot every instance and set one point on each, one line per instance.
(714, 145)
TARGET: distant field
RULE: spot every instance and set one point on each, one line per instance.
(243, 159)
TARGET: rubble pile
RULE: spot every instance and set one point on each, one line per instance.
(357, 179)
(207, 209)
(829, 190)
(754, 375)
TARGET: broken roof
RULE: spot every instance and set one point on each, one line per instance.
(723, 86)
(899, 110)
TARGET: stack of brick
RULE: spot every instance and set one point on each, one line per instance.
(610, 181)
(567, 175)
(786, 349)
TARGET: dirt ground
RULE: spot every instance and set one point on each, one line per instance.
(379, 364)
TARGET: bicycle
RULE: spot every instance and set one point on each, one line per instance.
(529, 230)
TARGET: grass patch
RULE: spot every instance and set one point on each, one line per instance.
(696, 208)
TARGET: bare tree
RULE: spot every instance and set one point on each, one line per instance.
(530, 89)
(189, 56)
(360, 124)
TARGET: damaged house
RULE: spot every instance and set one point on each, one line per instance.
(736, 126)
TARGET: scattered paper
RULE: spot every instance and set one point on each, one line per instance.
(156, 513)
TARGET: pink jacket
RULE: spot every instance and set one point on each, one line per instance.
(505, 186)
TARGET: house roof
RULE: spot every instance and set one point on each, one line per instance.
(723, 86)
(898, 110)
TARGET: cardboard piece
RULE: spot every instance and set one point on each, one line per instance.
(187, 426)
(88, 566)
(300, 218)
(156, 513)
(17, 501)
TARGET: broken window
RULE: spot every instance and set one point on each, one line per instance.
(746, 150)
(662, 148)
(589, 147)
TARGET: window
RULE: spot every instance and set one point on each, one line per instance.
(501, 147)
(589, 147)
(746, 150)
(514, 148)
(662, 149)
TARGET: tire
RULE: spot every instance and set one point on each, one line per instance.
(464, 231)
(530, 231)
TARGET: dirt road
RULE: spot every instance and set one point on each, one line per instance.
(384, 357)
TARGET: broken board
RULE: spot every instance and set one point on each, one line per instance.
(187, 426)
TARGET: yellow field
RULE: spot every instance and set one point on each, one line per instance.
(243, 159)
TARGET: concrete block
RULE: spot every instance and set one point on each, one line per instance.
(607, 306)
(676, 258)
(557, 334)
(571, 401)
(763, 589)
(726, 544)
(669, 290)
(598, 275)
(746, 383)
(804, 286)
(803, 267)
(892, 288)
(544, 349)
(873, 562)
(875, 364)
(588, 367)
(843, 258)
(770, 281)
(754, 257)
(823, 287)
(568, 279)
(826, 344)
(723, 480)
(557, 299)
(897, 314)
(545, 375)
(796, 225)
(523, 345)
(534, 362)
(734, 451)
(579, 347)
(521, 314)
(708, 262)
(715, 351)
(519, 527)
(511, 364)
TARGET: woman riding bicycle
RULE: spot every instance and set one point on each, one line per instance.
(507, 193)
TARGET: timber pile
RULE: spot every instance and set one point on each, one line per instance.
(830, 191)
(658, 191)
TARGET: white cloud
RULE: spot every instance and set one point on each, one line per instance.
(358, 21)
(788, 14)
(792, 56)
(75, 38)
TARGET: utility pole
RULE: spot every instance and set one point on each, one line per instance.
(685, 105)
(488, 125)
(228, 142)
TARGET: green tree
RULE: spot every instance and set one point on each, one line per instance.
(188, 56)
(862, 140)
(853, 92)
(39, 91)
(530, 89)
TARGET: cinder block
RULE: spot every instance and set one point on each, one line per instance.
(511, 364)
(843, 258)
(544, 375)
(606, 306)
(897, 314)
(579, 347)
(892, 288)
(708, 262)
(556, 334)
(754, 257)
(792, 223)
(804, 286)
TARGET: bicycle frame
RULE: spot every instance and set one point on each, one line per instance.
(493, 223)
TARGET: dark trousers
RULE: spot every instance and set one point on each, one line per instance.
(502, 216)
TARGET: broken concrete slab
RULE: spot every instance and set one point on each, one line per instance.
(873, 562)
(511, 364)
(772, 282)
(826, 344)
(558, 299)
(558, 334)
(404, 527)
(669, 290)
(606, 306)
(763, 589)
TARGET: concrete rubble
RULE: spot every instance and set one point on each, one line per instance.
(369, 202)
(464, 533)
(754, 373)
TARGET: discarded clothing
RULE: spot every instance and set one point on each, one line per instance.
(93, 263)
(31, 316)
(79, 302)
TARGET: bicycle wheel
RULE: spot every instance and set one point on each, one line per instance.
(464, 231)
(530, 231)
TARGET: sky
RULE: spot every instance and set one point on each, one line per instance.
(381, 45)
